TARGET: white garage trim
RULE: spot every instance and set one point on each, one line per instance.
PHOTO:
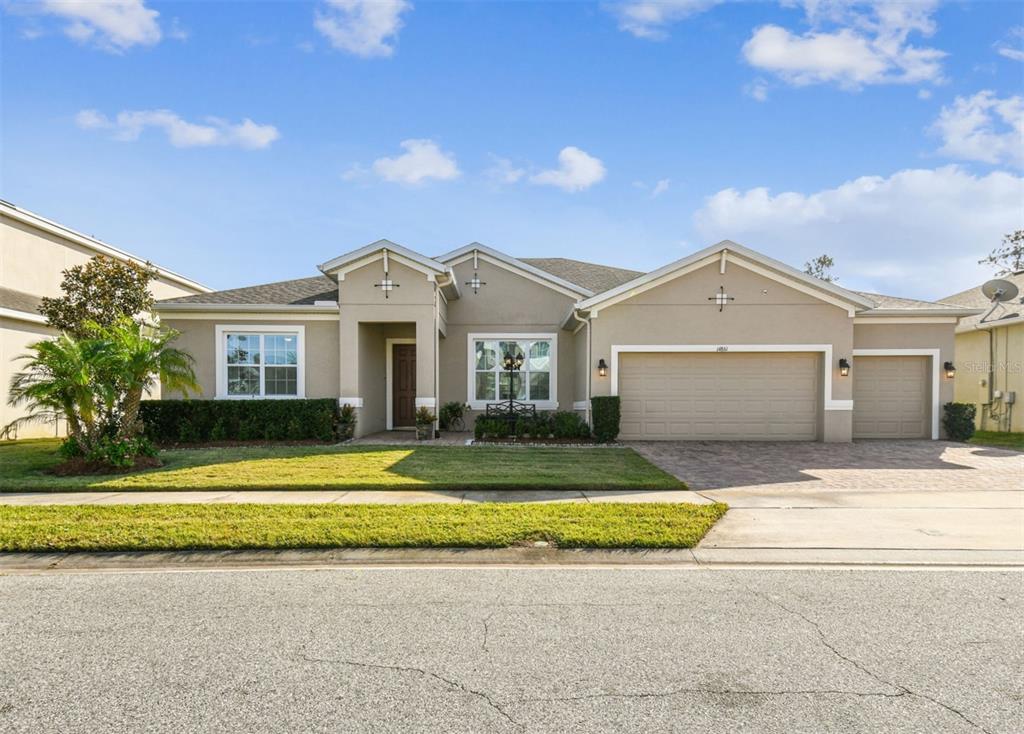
(825, 349)
(936, 377)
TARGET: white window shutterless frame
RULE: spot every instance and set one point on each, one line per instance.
(488, 382)
(279, 370)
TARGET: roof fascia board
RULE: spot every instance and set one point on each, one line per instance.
(951, 312)
(94, 244)
(374, 250)
(989, 325)
(16, 315)
(495, 257)
(773, 268)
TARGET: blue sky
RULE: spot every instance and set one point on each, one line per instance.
(887, 135)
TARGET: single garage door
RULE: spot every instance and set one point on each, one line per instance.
(714, 397)
(890, 397)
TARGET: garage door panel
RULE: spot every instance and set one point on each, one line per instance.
(890, 397)
(702, 396)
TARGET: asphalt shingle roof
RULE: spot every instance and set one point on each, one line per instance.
(19, 301)
(974, 298)
(300, 292)
(881, 301)
(593, 277)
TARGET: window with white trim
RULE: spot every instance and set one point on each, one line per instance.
(532, 383)
(262, 365)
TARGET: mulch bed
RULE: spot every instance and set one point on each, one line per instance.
(80, 467)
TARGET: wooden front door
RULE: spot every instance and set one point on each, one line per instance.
(403, 385)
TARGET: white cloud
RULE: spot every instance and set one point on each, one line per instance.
(577, 170)
(648, 18)
(113, 25)
(422, 160)
(924, 94)
(365, 28)
(503, 171)
(660, 188)
(983, 128)
(1011, 48)
(915, 233)
(130, 124)
(757, 90)
(864, 43)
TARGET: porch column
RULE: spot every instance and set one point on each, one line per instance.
(348, 364)
(426, 358)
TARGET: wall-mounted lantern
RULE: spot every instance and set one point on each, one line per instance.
(950, 370)
(602, 368)
(844, 367)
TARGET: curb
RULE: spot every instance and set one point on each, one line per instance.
(704, 559)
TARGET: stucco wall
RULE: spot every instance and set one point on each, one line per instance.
(764, 312)
(913, 336)
(198, 338)
(15, 336)
(32, 261)
(973, 360)
(509, 303)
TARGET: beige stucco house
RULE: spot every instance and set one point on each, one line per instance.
(34, 252)
(990, 356)
(724, 344)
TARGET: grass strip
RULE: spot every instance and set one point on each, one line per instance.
(218, 527)
(999, 439)
(24, 465)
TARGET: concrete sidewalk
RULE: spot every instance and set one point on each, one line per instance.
(402, 497)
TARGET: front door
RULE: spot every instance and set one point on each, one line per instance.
(403, 385)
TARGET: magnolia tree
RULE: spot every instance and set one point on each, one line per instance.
(95, 373)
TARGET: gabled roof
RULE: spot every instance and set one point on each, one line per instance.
(594, 277)
(353, 257)
(510, 263)
(774, 268)
(91, 243)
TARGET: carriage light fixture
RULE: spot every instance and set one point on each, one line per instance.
(602, 368)
(844, 367)
(950, 370)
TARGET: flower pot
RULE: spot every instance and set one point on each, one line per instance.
(424, 431)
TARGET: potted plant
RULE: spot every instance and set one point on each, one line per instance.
(424, 424)
(346, 422)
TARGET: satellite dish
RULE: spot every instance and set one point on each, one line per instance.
(999, 291)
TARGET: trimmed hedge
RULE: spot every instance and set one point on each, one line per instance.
(561, 424)
(201, 421)
(605, 414)
(958, 420)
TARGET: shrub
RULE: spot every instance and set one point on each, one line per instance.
(197, 421)
(605, 412)
(450, 412)
(569, 424)
(958, 420)
(491, 428)
(346, 422)
(119, 453)
(424, 416)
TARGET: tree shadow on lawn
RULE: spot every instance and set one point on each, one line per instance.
(350, 468)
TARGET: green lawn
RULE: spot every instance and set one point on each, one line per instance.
(490, 525)
(999, 439)
(23, 466)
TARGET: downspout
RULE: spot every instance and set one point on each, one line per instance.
(586, 396)
(437, 360)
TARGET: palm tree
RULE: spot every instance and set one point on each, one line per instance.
(60, 381)
(136, 357)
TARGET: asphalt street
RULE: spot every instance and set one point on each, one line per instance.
(504, 650)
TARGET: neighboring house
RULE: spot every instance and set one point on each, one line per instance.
(991, 358)
(723, 344)
(34, 252)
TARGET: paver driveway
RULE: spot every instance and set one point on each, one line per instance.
(879, 495)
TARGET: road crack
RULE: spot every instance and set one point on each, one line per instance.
(487, 632)
(899, 687)
(456, 685)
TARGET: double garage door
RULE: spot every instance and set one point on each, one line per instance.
(764, 396)
(706, 397)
